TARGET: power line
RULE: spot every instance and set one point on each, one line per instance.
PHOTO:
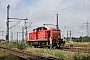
(15, 25)
(87, 28)
(74, 5)
(13, 3)
(10, 6)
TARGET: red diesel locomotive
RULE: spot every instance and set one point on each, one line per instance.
(42, 36)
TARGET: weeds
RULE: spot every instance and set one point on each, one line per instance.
(51, 52)
(57, 53)
(19, 45)
(80, 56)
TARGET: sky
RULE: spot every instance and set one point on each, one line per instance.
(72, 15)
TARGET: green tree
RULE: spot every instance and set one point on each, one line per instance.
(85, 39)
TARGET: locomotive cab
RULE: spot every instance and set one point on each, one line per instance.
(55, 34)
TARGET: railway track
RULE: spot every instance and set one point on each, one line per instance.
(76, 48)
(28, 55)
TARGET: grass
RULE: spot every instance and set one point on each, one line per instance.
(2, 54)
(81, 56)
(51, 52)
(19, 45)
(60, 54)
(47, 52)
(7, 56)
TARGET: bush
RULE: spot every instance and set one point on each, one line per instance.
(21, 45)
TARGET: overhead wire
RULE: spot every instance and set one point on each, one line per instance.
(10, 6)
(13, 3)
(60, 2)
(74, 5)
(15, 25)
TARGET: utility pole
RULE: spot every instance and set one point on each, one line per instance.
(82, 36)
(22, 33)
(7, 33)
(87, 28)
(67, 35)
(17, 36)
(26, 30)
(57, 20)
(11, 35)
(70, 36)
(53, 24)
